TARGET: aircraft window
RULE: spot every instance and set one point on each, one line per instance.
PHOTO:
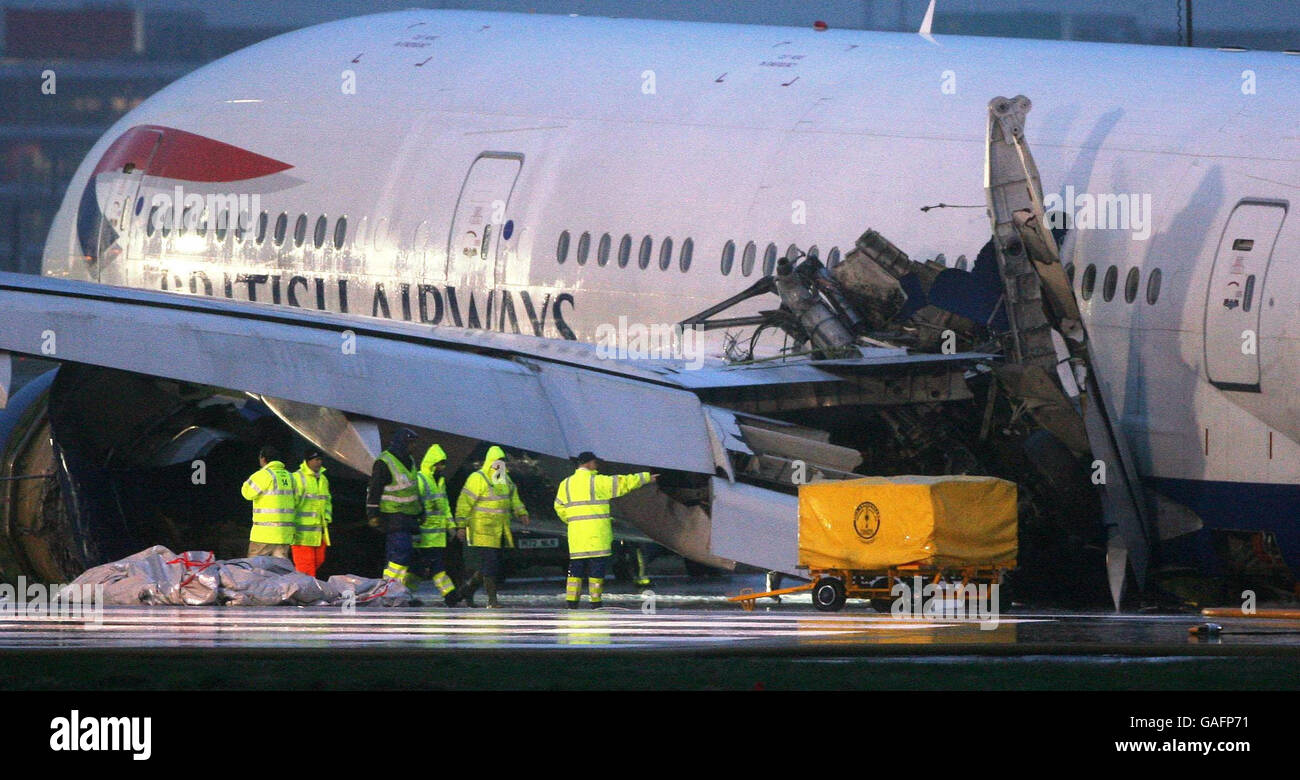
(222, 226)
(602, 251)
(300, 230)
(201, 223)
(665, 254)
(165, 222)
(728, 257)
(688, 251)
(1153, 286)
(747, 259)
(151, 224)
(562, 248)
(1069, 273)
(261, 228)
(1248, 294)
(340, 232)
(186, 216)
(318, 233)
(1131, 284)
(241, 220)
(624, 251)
(833, 259)
(962, 264)
(584, 248)
(643, 259)
(792, 253)
(281, 225)
(769, 260)
(813, 251)
(1108, 286)
(1089, 281)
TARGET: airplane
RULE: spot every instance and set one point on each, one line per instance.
(468, 200)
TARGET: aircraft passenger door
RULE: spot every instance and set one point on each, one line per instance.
(121, 213)
(480, 224)
(1236, 295)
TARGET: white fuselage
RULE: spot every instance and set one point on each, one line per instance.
(426, 128)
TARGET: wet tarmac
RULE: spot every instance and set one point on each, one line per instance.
(684, 636)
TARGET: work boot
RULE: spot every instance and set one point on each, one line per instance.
(490, 585)
(470, 588)
(452, 598)
(571, 604)
(596, 605)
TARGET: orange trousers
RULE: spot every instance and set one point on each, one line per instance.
(308, 559)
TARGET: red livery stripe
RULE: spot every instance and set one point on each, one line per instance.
(185, 156)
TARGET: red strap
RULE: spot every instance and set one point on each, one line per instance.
(383, 590)
(189, 563)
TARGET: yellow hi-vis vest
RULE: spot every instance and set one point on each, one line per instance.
(401, 496)
(582, 502)
(485, 505)
(315, 507)
(437, 512)
(271, 491)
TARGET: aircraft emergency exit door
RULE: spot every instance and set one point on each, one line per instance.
(479, 225)
(1236, 295)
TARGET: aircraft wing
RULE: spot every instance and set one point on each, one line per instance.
(474, 384)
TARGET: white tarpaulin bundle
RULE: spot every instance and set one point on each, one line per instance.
(158, 576)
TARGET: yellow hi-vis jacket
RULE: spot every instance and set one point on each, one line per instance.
(582, 502)
(271, 491)
(400, 494)
(437, 509)
(486, 504)
(315, 507)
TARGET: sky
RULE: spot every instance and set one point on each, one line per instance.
(876, 14)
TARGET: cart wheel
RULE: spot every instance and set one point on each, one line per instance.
(828, 595)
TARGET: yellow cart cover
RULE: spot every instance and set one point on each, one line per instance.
(878, 522)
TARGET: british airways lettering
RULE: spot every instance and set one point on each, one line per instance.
(506, 311)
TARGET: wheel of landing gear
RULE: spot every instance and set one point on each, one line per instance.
(828, 595)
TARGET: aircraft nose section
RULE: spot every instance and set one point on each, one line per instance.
(93, 231)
